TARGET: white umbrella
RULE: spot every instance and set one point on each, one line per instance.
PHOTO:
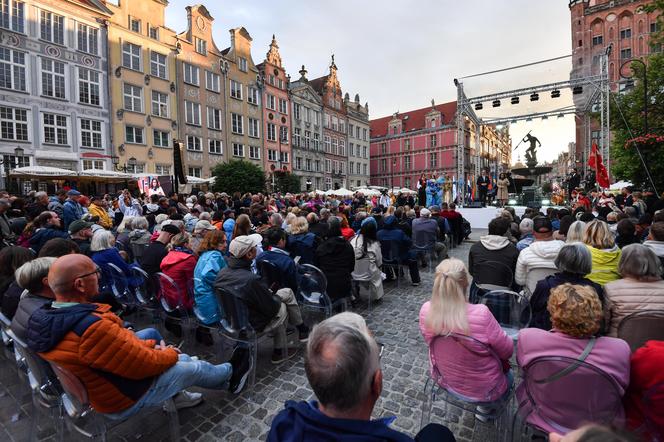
(368, 192)
(100, 173)
(42, 171)
(619, 185)
(195, 180)
(406, 191)
(340, 192)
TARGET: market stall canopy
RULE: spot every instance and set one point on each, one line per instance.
(105, 174)
(619, 185)
(42, 171)
(368, 192)
(196, 180)
(406, 191)
(340, 192)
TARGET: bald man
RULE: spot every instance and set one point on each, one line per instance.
(121, 372)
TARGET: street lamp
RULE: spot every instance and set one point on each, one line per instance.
(18, 153)
(129, 165)
(394, 165)
(645, 88)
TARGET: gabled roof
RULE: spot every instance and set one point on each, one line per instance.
(94, 4)
(415, 119)
(318, 83)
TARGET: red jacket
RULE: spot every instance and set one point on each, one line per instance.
(646, 371)
(180, 267)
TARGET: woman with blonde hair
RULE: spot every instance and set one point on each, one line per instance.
(449, 311)
(575, 232)
(605, 253)
(301, 242)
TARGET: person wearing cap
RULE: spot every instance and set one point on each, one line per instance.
(277, 255)
(425, 233)
(96, 209)
(541, 253)
(71, 209)
(80, 232)
(391, 236)
(268, 312)
(156, 251)
(201, 229)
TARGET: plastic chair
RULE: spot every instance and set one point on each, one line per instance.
(172, 300)
(427, 250)
(312, 292)
(511, 309)
(271, 275)
(642, 326)
(559, 394)
(145, 295)
(392, 257)
(5, 323)
(119, 284)
(447, 354)
(77, 406)
(535, 275)
(488, 276)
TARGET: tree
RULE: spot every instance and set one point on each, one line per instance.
(238, 176)
(286, 182)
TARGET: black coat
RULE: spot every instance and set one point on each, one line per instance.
(152, 256)
(26, 307)
(319, 229)
(479, 254)
(335, 257)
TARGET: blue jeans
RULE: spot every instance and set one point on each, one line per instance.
(187, 372)
(149, 333)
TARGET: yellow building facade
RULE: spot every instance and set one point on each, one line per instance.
(143, 79)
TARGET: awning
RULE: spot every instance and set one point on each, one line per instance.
(42, 171)
(339, 192)
(105, 174)
(196, 180)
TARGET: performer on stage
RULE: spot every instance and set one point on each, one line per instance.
(422, 191)
(503, 184)
(573, 181)
(483, 182)
(447, 189)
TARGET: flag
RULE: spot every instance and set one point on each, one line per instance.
(454, 188)
(595, 161)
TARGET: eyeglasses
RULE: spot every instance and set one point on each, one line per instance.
(381, 347)
(97, 272)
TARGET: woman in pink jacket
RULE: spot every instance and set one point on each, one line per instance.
(448, 311)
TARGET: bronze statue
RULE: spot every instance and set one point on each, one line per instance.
(531, 152)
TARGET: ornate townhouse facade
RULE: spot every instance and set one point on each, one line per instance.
(358, 141)
(307, 150)
(54, 83)
(144, 108)
(243, 109)
(201, 94)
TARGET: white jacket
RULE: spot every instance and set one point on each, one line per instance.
(538, 254)
(655, 246)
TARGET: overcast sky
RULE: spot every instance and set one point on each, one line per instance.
(398, 55)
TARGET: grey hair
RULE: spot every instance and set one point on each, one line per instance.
(324, 212)
(526, 226)
(5, 203)
(341, 361)
(575, 232)
(630, 211)
(276, 220)
(639, 262)
(126, 224)
(205, 216)
(177, 223)
(40, 194)
(312, 218)
(360, 216)
(31, 274)
(140, 222)
(101, 240)
(574, 258)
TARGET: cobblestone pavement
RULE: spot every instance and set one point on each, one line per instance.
(247, 417)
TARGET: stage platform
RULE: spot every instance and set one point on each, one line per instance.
(479, 217)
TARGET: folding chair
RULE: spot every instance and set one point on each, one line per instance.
(312, 292)
(172, 300)
(642, 326)
(535, 275)
(490, 275)
(511, 309)
(271, 275)
(392, 257)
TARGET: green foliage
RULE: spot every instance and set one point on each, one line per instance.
(627, 122)
(286, 182)
(238, 176)
(657, 6)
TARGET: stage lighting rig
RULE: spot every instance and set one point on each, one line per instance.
(534, 97)
(555, 94)
(496, 103)
(514, 100)
(479, 106)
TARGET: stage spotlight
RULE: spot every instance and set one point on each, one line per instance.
(529, 119)
(513, 121)
(496, 103)
(561, 115)
(555, 94)
(534, 97)
(478, 106)
(546, 202)
(544, 117)
(515, 100)
(511, 202)
(577, 90)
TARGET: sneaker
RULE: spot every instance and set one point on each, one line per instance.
(279, 356)
(484, 417)
(242, 364)
(415, 284)
(304, 333)
(187, 399)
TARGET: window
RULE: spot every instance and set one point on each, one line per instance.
(161, 138)
(201, 45)
(364, 134)
(236, 89)
(12, 70)
(406, 144)
(159, 104)
(316, 118)
(271, 132)
(298, 163)
(283, 157)
(12, 15)
(433, 141)
(270, 102)
(88, 86)
(597, 40)
(307, 139)
(307, 164)
(317, 164)
(242, 64)
(136, 168)
(254, 128)
(92, 164)
(326, 141)
(383, 148)
(351, 167)
(134, 24)
(406, 162)
(253, 95)
(192, 113)
(351, 149)
(364, 152)
(342, 148)
(215, 147)
(195, 172)
(283, 106)
(52, 27)
(53, 78)
(153, 32)
(191, 74)
(162, 169)
(13, 124)
(625, 33)
(296, 111)
(271, 155)
(254, 152)
(55, 129)
(236, 124)
(342, 126)
(238, 150)
(328, 166)
(335, 147)
(335, 123)
(625, 54)
(133, 98)
(296, 136)
(131, 56)
(350, 130)
(158, 65)
(214, 118)
(134, 135)
(91, 134)
(88, 39)
(383, 165)
(654, 27)
(365, 170)
(283, 134)
(194, 143)
(316, 141)
(358, 168)
(212, 81)
(433, 159)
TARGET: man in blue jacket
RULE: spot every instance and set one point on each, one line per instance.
(71, 208)
(343, 368)
(390, 236)
(278, 256)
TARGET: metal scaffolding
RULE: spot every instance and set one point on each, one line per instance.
(595, 87)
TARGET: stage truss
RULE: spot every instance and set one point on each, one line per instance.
(595, 87)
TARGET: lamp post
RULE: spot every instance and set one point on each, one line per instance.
(645, 88)
(18, 153)
(130, 164)
(394, 165)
